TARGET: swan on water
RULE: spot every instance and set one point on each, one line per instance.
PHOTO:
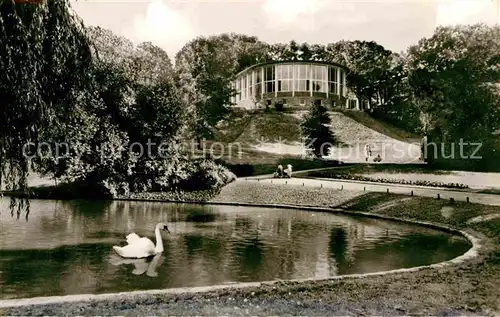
(138, 247)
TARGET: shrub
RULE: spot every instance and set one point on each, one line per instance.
(316, 130)
(279, 106)
(204, 175)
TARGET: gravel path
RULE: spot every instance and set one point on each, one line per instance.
(263, 192)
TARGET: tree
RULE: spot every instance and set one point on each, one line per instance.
(151, 64)
(316, 131)
(452, 76)
(318, 52)
(206, 67)
(109, 47)
(249, 50)
(131, 98)
(306, 53)
(369, 70)
(44, 60)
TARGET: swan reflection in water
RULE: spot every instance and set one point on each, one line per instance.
(148, 265)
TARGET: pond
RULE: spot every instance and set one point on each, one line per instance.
(65, 247)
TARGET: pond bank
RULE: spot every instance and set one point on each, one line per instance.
(462, 289)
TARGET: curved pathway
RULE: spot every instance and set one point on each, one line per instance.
(423, 191)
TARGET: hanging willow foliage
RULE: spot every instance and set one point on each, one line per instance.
(44, 63)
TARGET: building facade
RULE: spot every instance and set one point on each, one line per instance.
(293, 84)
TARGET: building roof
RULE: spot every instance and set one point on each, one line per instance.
(291, 61)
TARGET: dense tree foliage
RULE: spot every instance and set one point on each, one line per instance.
(94, 110)
(206, 67)
(454, 78)
(44, 62)
(132, 106)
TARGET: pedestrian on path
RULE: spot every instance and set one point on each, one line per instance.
(368, 152)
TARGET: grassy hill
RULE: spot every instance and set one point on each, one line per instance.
(267, 136)
(247, 127)
(381, 127)
(230, 128)
(272, 127)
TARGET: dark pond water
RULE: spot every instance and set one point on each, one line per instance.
(66, 247)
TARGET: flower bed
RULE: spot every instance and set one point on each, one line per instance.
(387, 180)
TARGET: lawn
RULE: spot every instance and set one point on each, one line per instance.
(382, 127)
(272, 127)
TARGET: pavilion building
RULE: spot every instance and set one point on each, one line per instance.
(294, 84)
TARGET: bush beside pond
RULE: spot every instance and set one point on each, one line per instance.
(179, 195)
(196, 180)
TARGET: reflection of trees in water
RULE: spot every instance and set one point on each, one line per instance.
(57, 271)
(87, 208)
(280, 248)
(201, 245)
(243, 224)
(338, 244)
(249, 255)
(200, 216)
(196, 259)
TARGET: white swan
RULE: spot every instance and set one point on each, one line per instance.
(138, 247)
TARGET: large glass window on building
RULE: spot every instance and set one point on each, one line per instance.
(269, 77)
(238, 90)
(245, 87)
(258, 91)
(319, 82)
(332, 80)
(251, 84)
(284, 77)
(301, 78)
(342, 82)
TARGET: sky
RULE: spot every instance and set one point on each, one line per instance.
(395, 24)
